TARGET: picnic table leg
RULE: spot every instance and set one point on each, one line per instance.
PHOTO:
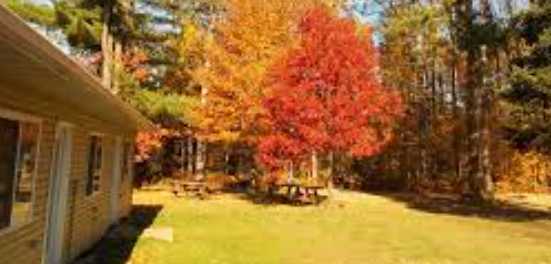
(289, 191)
(203, 192)
(175, 190)
(316, 197)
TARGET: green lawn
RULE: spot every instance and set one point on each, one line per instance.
(350, 228)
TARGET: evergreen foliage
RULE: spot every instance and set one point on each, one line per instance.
(529, 93)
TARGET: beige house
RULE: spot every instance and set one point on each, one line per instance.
(65, 151)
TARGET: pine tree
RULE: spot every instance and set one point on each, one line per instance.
(39, 14)
(529, 95)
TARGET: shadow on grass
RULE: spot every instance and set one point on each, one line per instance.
(496, 210)
(118, 243)
(153, 189)
(272, 199)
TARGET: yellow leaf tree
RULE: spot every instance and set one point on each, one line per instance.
(244, 43)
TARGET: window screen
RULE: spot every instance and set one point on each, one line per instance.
(94, 165)
(9, 133)
(26, 166)
(18, 155)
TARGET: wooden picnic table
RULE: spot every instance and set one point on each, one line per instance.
(289, 187)
(190, 188)
(314, 188)
(310, 191)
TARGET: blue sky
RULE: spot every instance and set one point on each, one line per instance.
(366, 7)
(42, 1)
(367, 11)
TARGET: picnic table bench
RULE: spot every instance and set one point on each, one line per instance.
(190, 188)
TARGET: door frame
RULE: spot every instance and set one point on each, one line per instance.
(58, 193)
(116, 180)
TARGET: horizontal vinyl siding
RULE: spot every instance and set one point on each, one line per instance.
(87, 217)
(91, 213)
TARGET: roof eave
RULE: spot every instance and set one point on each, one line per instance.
(13, 23)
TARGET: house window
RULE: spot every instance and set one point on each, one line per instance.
(18, 155)
(94, 165)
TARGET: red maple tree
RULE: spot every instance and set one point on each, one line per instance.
(326, 94)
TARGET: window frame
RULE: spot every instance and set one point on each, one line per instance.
(94, 193)
(20, 117)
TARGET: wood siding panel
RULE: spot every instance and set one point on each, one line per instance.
(87, 217)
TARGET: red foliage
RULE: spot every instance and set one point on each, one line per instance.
(276, 150)
(326, 95)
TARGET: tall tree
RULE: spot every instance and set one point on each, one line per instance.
(478, 32)
(326, 94)
(38, 14)
(248, 36)
(529, 95)
(417, 57)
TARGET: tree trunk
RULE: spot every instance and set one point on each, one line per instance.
(471, 115)
(182, 157)
(315, 165)
(457, 137)
(201, 146)
(433, 118)
(331, 158)
(291, 173)
(201, 154)
(485, 175)
(239, 161)
(117, 67)
(190, 158)
(227, 162)
(433, 84)
(479, 180)
(107, 45)
(442, 92)
(457, 140)
(486, 183)
(423, 131)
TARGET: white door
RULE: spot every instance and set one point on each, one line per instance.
(116, 180)
(58, 194)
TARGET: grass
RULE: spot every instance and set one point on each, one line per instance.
(350, 228)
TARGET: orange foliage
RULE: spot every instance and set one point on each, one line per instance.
(237, 57)
(133, 63)
(148, 143)
(524, 172)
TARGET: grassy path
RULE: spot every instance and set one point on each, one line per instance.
(352, 228)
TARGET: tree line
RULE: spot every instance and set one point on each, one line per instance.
(470, 74)
(449, 96)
